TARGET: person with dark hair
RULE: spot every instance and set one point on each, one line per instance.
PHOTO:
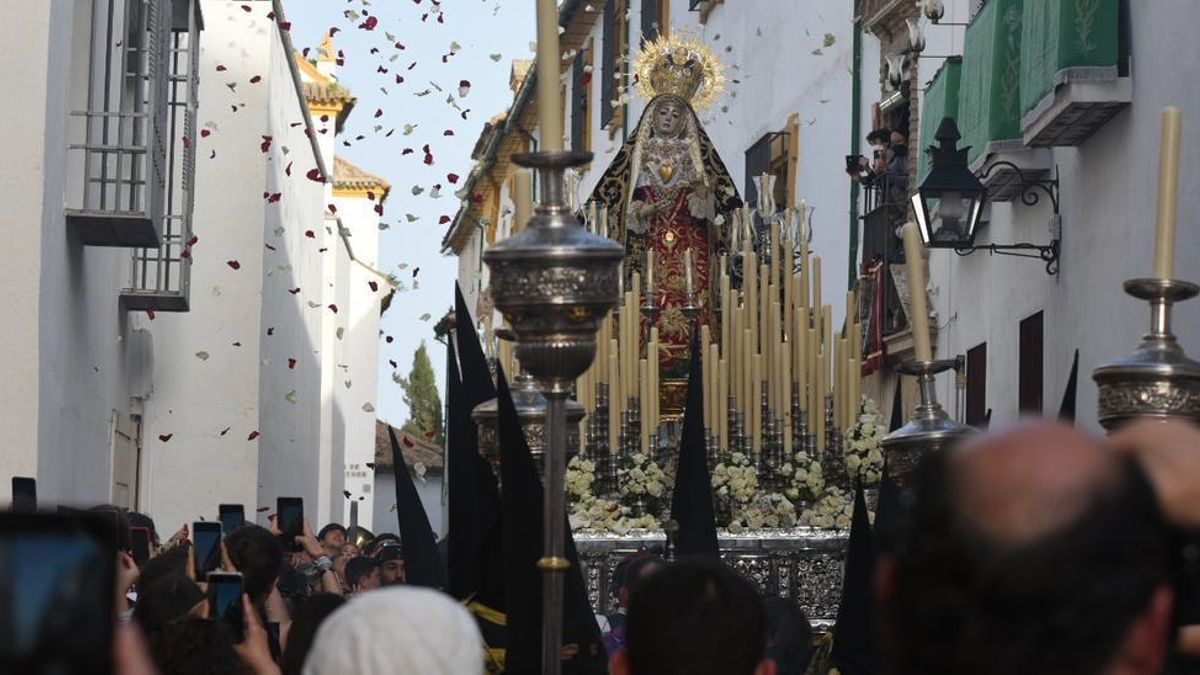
(170, 561)
(305, 621)
(362, 574)
(390, 557)
(257, 554)
(166, 599)
(697, 617)
(127, 569)
(789, 636)
(1037, 550)
(195, 646)
(332, 537)
(142, 520)
(629, 573)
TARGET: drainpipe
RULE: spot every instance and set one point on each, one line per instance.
(855, 144)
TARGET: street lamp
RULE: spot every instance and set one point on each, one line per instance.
(950, 199)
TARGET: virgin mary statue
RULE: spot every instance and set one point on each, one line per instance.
(668, 191)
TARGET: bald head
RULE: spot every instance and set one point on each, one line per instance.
(1020, 484)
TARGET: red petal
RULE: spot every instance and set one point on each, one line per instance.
(416, 271)
(453, 178)
(253, 435)
(221, 69)
(443, 220)
(288, 170)
(374, 286)
(256, 79)
(310, 234)
(388, 339)
(150, 314)
(315, 176)
(379, 209)
(332, 208)
(333, 308)
(205, 132)
(448, 132)
(245, 8)
(234, 264)
(225, 430)
(407, 442)
(291, 364)
(379, 112)
(165, 437)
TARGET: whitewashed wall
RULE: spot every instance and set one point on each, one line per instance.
(430, 492)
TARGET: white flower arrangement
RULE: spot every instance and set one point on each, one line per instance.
(771, 510)
(863, 449)
(606, 515)
(641, 481)
(735, 486)
(832, 511)
(804, 477)
(581, 474)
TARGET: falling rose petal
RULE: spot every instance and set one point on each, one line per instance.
(443, 220)
(225, 430)
(315, 176)
(393, 364)
(388, 339)
(407, 151)
(294, 291)
(464, 88)
(291, 397)
(453, 178)
(448, 132)
(150, 314)
(379, 209)
(346, 493)
(370, 23)
(253, 435)
(266, 144)
(291, 364)
(165, 437)
(332, 208)
(378, 112)
(234, 264)
(274, 197)
(310, 234)
(374, 286)
(256, 79)
(221, 68)
(371, 465)
(246, 8)
(202, 355)
(416, 271)
(204, 133)
(368, 408)
(262, 509)
(333, 308)
(288, 170)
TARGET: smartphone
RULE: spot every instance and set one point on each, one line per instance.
(140, 538)
(232, 516)
(206, 546)
(59, 572)
(24, 494)
(290, 519)
(225, 601)
(851, 164)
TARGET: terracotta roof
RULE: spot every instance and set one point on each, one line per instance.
(347, 176)
(414, 448)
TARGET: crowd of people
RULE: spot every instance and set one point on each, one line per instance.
(1037, 549)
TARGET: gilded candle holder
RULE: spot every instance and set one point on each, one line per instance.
(1157, 380)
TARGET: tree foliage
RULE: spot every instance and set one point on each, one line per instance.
(421, 396)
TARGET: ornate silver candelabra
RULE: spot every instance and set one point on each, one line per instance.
(531, 413)
(554, 282)
(930, 430)
(1157, 380)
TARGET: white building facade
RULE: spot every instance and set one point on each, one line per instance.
(230, 359)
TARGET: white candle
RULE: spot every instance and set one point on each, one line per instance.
(687, 264)
(650, 273)
(1168, 193)
(550, 112)
(522, 199)
(916, 292)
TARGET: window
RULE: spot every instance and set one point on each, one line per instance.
(655, 19)
(118, 150)
(581, 100)
(160, 277)
(612, 65)
(770, 154)
(977, 385)
(1029, 385)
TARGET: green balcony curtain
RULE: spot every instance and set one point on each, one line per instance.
(1064, 41)
(989, 106)
(941, 100)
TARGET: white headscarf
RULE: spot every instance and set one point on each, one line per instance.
(397, 631)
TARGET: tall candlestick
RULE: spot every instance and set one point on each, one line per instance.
(726, 310)
(655, 388)
(816, 283)
(914, 263)
(522, 199)
(722, 401)
(644, 404)
(650, 273)
(614, 383)
(1168, 193)
(549, 61)
(756, 401)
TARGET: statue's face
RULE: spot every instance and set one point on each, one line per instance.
(668, 118)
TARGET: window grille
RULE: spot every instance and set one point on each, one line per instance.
(122, 134)
(159, 276)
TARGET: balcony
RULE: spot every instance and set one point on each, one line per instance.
(159, 277)
(1071, 70)
(118, 163)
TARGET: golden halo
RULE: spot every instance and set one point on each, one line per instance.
(658, 72)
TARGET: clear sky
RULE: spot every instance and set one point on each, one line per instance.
(442, 45)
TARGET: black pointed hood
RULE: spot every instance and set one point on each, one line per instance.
(854, 640)
(691, 504)
(422, 564)
(1066, 411)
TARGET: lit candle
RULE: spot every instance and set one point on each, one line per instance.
(522, 199)
(916, 292)
(1168, 193)
(550, 112)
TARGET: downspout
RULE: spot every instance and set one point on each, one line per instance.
(289, 51)
(855, 143)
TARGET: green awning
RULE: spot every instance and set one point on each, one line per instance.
(941, 100)
(1065, 40)
(989, 106)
